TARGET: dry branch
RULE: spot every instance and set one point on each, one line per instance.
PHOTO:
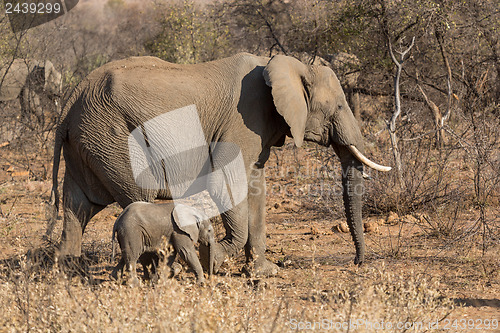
(438, 119)
(397, 107)
(446, 115)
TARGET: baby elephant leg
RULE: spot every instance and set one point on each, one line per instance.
(189, 256)
(185, 247)
(119, 267)
(131, 269)
(147, 261)
(175, 267)
(150, 263)
(155, 268)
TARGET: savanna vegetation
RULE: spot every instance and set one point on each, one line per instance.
(428, 89)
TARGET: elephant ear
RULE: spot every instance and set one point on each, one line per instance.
(286, 77)
(186, 219)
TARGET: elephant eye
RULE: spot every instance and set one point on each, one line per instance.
(340, 106)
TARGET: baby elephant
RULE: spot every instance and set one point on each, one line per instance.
(141, 227)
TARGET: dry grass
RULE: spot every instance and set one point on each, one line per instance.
(411, 276)
(52, 302)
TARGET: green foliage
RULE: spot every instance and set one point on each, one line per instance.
(189, 34)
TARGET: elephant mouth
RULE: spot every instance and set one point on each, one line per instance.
(365, 160)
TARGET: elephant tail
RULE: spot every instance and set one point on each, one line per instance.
(61, 135)
(53, 204)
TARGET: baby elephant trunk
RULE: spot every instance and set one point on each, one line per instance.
(211, 261)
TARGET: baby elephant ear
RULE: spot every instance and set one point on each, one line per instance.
(185, 218)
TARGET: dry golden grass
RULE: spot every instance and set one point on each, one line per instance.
(49, 301)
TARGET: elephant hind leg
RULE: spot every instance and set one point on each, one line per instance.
(150, 262)
(131, 268)
(78, 210)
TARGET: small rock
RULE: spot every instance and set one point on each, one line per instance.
(371, 226)
(392, 219)
(341, 227)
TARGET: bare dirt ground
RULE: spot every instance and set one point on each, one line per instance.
(411, 274)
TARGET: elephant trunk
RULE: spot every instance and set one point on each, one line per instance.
(352, 192)
(347, 141)
(211, 261)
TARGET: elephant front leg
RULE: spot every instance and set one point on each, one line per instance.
(188, 253)
(227, 186)
(255, 248)
(236, 224)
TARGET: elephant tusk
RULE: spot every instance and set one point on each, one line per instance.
(363, 159)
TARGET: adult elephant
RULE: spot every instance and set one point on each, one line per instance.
(34, 83)
(120, 120)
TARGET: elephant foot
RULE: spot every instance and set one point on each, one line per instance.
(155, 277)
(68, 249)
(73, 266)
(260, 268)
(358, 260)
(175, 269)
(133, 282)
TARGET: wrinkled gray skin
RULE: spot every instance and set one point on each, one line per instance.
(141, 227)
(252, 102)
(347, 66)
(35, 83)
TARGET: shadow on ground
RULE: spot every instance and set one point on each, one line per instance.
(40, 261)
